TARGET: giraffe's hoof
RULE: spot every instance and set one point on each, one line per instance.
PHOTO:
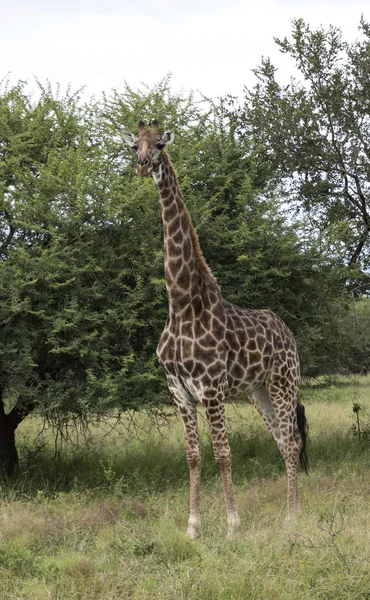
(233, 523)
(291, 518)
(193, 526)
(192, 532)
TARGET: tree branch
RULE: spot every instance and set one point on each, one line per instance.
(19, 413)
(8, 239)
(359, 247)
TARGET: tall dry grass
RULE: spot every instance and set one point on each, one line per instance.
(105, 518)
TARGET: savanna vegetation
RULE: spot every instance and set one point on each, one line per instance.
(277, 185)
(104, 518)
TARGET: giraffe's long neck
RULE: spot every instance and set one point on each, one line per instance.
(184, 261)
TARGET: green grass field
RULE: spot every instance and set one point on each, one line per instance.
(105, 518)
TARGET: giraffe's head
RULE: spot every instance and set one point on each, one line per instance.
(148, 145)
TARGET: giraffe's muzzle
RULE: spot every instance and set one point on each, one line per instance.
(144, 170)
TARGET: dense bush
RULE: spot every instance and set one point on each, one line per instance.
(82, 291)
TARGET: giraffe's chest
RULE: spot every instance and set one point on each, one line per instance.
(191, 362)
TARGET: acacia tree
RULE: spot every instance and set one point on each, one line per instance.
(82, 289)
(314, 133)
(74, 340)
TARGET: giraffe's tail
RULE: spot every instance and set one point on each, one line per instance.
(303, 430)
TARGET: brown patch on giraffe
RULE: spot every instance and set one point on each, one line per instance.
(213, 297)
(187, 329)
(211, 403)
(217, 327)
(187, 315)
(174, 266)
(266, 362)
(237, 322)
(243, 358)
(165, 193)
(254, 357)
(236, 371)
(217, 425)
(215, 369)
(178, 237)
(167, 353)
(199, 329)
(184, 222)
(242, 337)
(189, 365)
(184, 348)
(278, 346)
(260, 342)
(199, 370)
(219, 312)
(173, 250)
(208, 341)
(177, 295)
(231, 340)
(211, 410)
(206, 319)
(206, 381)
(170, 212)
(268, 349)
(183, 279)
(253, 371)
(197, 305)
(204, 356)
(268, 334)
(173, 226)
(166, 202)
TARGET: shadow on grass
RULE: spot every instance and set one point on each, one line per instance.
(154, 466)
(324, 382)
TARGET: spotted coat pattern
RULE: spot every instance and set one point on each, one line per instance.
(212, 350)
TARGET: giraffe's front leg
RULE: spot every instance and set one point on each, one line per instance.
(193, 456)
(215, 412)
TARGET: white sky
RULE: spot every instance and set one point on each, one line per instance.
(210, 45)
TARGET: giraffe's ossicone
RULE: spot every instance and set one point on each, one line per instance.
(212, 350)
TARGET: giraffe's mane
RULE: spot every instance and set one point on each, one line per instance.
(198, 254)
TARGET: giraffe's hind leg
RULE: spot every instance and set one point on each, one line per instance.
(280, 418)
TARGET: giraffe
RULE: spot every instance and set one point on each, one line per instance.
(212, 350)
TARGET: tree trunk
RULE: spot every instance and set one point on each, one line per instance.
(8, 425)
(8, 451)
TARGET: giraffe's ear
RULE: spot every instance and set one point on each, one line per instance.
(130, 139)
(168, 138)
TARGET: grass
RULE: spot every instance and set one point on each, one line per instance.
(105, 518)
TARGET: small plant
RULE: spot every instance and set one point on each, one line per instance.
(109, 473)
(359, 429)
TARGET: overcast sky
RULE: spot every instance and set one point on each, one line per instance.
(210, 45)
